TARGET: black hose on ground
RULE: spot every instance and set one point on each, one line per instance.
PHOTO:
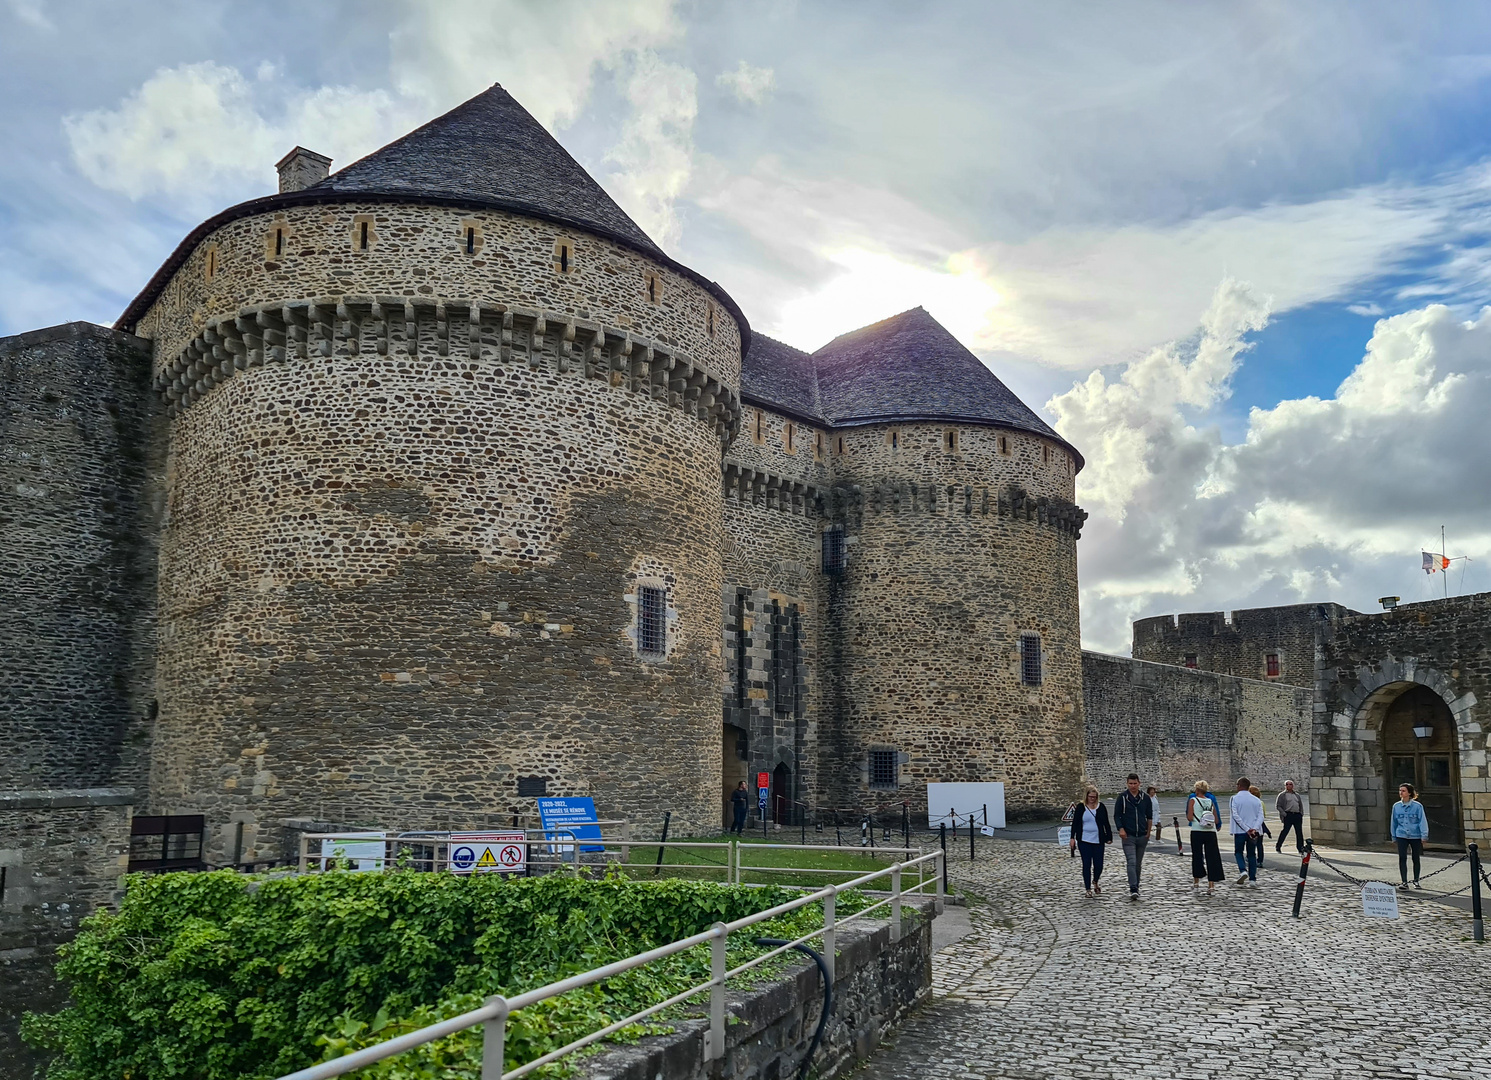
(828, 998)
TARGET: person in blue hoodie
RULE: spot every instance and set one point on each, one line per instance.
(1410, 830)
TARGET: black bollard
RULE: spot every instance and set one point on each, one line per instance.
(663, 843)
(803, 821)
(1477, 923)
(942, 837)
(970, 838)
(905, 824)
(1304, 870)
(986, 815)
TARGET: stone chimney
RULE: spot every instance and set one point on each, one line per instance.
(301, 168)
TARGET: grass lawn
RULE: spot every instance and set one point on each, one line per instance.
(776, 866)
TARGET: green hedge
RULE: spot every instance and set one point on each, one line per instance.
(220, 977)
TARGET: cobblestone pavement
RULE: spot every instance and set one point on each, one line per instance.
(1052, 984)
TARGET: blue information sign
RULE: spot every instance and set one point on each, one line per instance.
(576, 816)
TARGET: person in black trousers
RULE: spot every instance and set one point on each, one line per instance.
(1090, 831)
(1291, 809)
(740, 800)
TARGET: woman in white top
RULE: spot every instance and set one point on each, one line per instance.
(1204, 814)
(1090, 831)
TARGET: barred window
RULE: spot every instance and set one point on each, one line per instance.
(834, 553)
(884, 768)
(1030, 659)
(652, 620)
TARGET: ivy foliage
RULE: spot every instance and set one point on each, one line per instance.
(218, 977)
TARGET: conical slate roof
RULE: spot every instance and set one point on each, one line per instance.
(489, 153)
(907, 367)
(491, 149)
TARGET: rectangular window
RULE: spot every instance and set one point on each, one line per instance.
(1190, 659)
(834, 553)
(884, 768)
(818, 445)
(784, 659)
(1271, 665)
(533, 787)
(652, 620)
(1030, 659)
(166, 843)
(951, 435)
(787, 433)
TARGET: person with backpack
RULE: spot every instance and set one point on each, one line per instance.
(1410, 828)
(1131, 811)
(1203, 813)
(1090, 831)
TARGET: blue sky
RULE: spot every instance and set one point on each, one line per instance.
(1262, 225)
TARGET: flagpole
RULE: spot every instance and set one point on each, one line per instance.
(1443, 563)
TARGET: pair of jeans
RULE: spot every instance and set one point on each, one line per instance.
(1242, 845)
(738, 826)
(1257, 843)
(1092, 862)
(1206, 856)
(1297, 823)
(1405, 844)
(1133, 855)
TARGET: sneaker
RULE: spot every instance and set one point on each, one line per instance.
(1242, 879)
(1416, 885)
(1133, 896)
(1403, 887)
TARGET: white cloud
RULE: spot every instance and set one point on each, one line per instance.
(749, 84)
(1322, 499)
(30, 12)
(655, 152)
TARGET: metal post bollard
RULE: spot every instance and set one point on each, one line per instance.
(970, 838)
(1304, 870)
(939, 871)
(895, 902)
(494, 1041)
(717, 994)
(942, 837)
(1478, 924)
(828, 929)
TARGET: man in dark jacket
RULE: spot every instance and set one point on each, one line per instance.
(1131, 817)
(1291, 810)
(740, 799)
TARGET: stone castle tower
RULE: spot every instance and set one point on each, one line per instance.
(465, 491)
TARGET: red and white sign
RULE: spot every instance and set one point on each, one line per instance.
(488, 853)
(763, 779)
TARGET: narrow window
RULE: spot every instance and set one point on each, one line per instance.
(952, 440)
(787, 438)
(1271, 665)
(1046, 455)
(895, 439)
(1030, 659)
(279, 242)
(1190, 659)
(1004, 445)
(834, 552)
(211, 263)
(760, 435)
(709, 320)
(841, 444)
(652, 288)
(470, 240)
(652, 620)
(362, 241)
(884, 768)
(564, 259)
(818, 445)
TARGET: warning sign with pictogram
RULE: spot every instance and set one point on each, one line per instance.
(488, 853)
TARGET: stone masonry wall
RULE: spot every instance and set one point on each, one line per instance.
(768, 1028)
(922, 643)
(1365, 662)
(80, 454)
(1238, 642)
(1174, 726)
(62, 856)
(401, 570)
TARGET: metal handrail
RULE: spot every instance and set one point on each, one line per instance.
(494, 1013)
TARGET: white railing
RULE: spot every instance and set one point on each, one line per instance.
(493, 1015)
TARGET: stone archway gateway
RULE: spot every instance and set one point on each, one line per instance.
(1420, 747)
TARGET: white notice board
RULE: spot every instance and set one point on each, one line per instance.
(1379, 900)
(944, 800)
(353, 851)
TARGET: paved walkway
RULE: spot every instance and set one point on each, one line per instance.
(1051, 984)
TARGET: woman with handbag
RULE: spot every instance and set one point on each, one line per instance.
(1203, 812)
(1090, 831)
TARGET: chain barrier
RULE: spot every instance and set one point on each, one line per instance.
(1358, 881)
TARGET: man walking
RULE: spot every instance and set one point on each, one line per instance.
(740, 799)
(1247, 826)
(1131, 816)
(1291, 810)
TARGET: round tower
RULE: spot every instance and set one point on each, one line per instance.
(953, 634)
(444, 505)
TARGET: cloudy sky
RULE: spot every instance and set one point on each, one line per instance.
(1235, 253)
